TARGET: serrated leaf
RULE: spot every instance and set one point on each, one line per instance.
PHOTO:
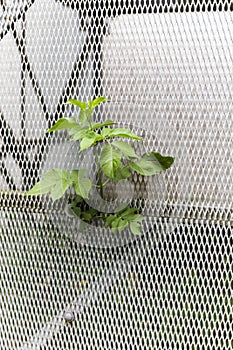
(82, 185)
(101, 125)
(110, 160)
(80, 104)
(94, 103)
(135, 227)
(151, 164)
(63, 124)
(125, 133)
(55, 182)
(125, 148)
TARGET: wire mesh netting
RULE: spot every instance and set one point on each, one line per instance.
(167, 70)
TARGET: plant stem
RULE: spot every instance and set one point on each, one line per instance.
(102, 216)
(90, 123)
(104, 184)
(100, 186)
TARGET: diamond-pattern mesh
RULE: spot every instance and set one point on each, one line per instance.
(167, 69)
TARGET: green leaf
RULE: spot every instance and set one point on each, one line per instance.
(121, 132)
(128, 211)
(135, 227)
(80, 104)
(101, 125)
(87, 142)
(109, 219)
(76, 210)
(78, 132)
(86, 108)
(89, 139)
(123, 217)
(77, 201)
(63, 124)
(82, 185)
(125, 148)
(89, 214)
(92, 211)
(151, 164)
(114, 224)
(84, 115)
(105, 132)
(55, 182)
(134, 217)
(118, 224)
(110, 160)
(165, 161)
(122, 173)
(122, 224)
(130, 214)
(94, 103)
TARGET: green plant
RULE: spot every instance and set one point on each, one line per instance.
(115, 161)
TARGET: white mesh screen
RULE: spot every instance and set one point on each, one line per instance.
(167, 68)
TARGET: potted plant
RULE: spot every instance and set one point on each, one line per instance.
(114, 161)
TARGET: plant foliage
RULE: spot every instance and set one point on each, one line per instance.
(115, 160)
